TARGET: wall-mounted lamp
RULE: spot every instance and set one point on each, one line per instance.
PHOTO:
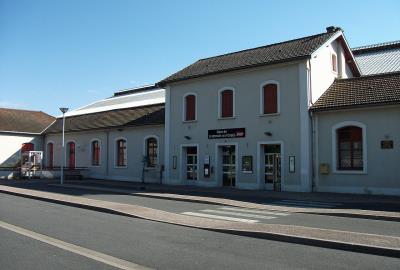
(187, 137)
(267, 133)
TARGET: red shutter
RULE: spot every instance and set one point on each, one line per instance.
(27, 147)
(227, 103)
(71, 155)
(50, 156)
(190, 108)
(270, 98)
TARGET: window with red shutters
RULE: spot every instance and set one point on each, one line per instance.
(71, 155)
(350, 148)
(190, 106)
(227, 103)
(270, 98)
(50, 155)
(121, 153)
(95, 153)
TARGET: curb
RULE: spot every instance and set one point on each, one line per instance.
(352, 247)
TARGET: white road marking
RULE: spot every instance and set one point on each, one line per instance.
(300, 204)
(312, 202)
(219, 217)
(246, 210)
(236, 214)
(91, 254)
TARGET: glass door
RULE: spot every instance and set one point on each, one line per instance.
(228, 166)
(191, 163)
(272, 167)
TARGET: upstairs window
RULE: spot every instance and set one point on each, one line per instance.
(226, 103)
(121, 160)
(334, 62)
(350, 148)
(95, 153)
(151, 152)
(190, 107)
(50, 155)
(269, 98)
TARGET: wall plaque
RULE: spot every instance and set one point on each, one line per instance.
(387, 144)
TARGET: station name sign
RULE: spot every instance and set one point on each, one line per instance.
(227, 133)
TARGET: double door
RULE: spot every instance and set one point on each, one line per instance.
(272, 167)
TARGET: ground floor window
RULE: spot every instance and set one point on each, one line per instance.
(71, 154)
(50, 155)
(151, 152)
(350, 148)
(95, 153)
(121, 160)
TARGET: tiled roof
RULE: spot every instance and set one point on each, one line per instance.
(13, 120)
(138, 116)
(378, 58)
(271, 54)
(381, 89)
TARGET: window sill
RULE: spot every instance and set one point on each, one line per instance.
(120, 167)
(95, 166)
(350, 172)
(189, 121)
(270, 114)
(226, 118)
(151, 168)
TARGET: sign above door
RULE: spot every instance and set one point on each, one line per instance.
(227, 133)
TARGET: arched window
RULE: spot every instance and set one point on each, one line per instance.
(269, 98)
(121, 160)
(151, 152)
(350, 148)
(226, 103)
(50, 155)
(190, 107)
(71, 154)
(95, 150)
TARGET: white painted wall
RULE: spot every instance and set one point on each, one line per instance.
(322, 75)
(10, 146)
(382, 175)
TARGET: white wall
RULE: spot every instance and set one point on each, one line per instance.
(135, 137)
(322, 75)
(382, 175)
(10, 146)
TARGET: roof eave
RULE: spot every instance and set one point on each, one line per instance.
(355, 106)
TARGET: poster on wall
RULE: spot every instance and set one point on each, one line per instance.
(247, 164)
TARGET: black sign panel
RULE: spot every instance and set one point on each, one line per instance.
(227, 133)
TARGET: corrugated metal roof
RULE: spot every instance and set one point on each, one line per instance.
(131, 100)
(378, 58)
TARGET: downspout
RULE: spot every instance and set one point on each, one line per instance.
(312, 126)
(107, 153)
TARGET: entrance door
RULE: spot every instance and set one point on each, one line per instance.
(228, 166)
(272, 167)
(71, 155)
(191, 163)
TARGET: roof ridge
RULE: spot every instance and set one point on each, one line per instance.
(368, 76)
(376, 45)
(268, 45)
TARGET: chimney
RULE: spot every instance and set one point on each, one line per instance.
(331, 29)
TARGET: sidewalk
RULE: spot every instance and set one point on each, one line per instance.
(351, 241)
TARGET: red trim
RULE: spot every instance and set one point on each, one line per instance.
(71, 155)
(50, 149)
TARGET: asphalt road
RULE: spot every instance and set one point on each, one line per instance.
(391, 228)
(151, 244)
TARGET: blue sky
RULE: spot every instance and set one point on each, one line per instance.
(72, 52)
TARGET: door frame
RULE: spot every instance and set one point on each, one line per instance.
(67, 156)
(182, 168)
(261, 153)
(218, 166)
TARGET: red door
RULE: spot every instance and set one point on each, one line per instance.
(71, 155)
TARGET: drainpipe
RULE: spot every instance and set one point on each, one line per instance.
(312, 126)
(107, 152)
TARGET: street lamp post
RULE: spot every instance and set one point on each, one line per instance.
(63, 110)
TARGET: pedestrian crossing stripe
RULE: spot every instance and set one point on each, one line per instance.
(236, 214)
(310, 204)
(254, 211)
(219, 217)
